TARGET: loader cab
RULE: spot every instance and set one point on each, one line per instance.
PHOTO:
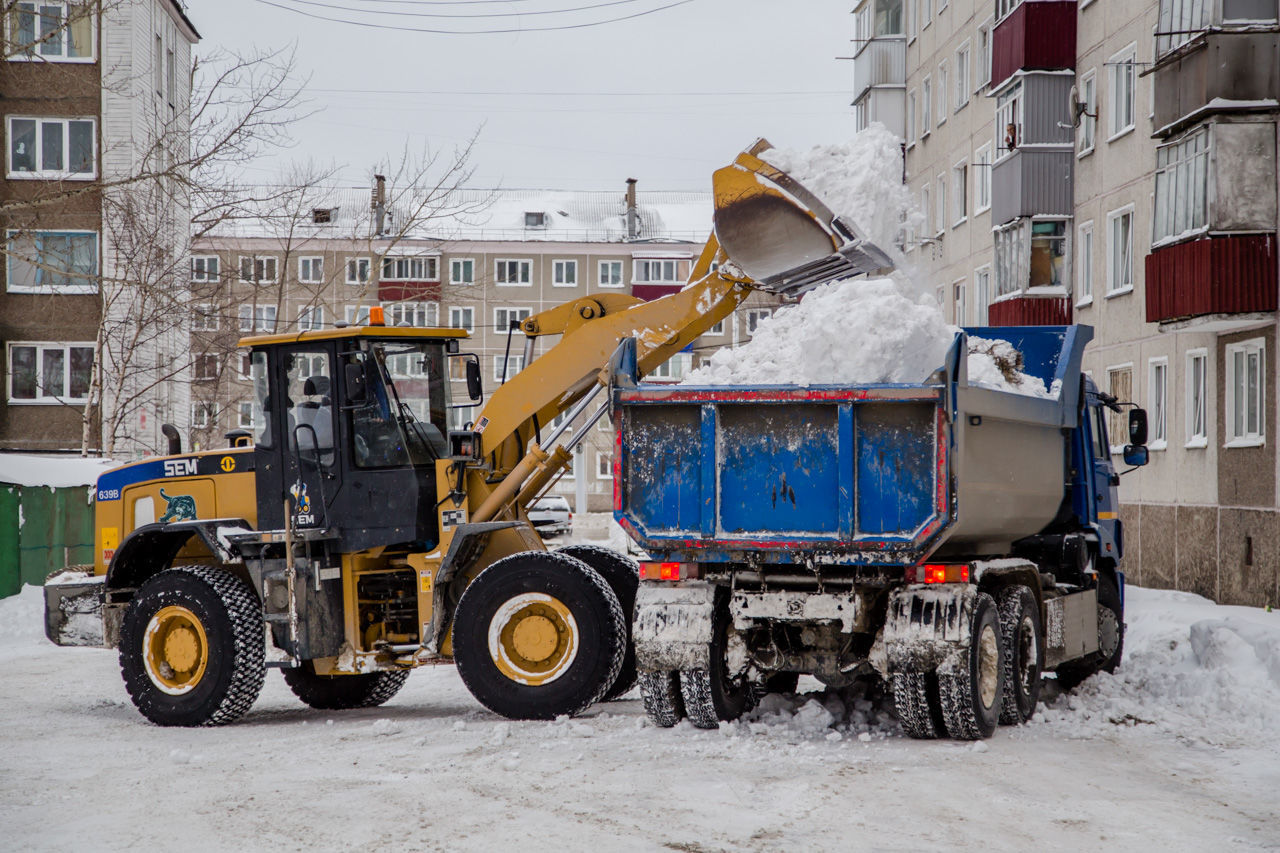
(348, 426)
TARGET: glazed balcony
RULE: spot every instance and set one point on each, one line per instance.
(881, 61)
(1038, 35)
(1216, 283)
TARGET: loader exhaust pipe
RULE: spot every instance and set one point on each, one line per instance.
(170, 432)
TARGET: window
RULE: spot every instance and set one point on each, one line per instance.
(1084, 264)
(755, 316)
(913, 21)
(52, 261)
(462, 318)
(202, 415)
(962, 76)
(859, 116)
(257, 269)
(1031, 254)
(984, 55)
(514, 364)
(1157, 403)
(204, 318)
(673, 369)
(51, 31)
(462, 416)
(246, 416)
(157, 65)
(410, 269)
(924, 211)
(311, 318)
(504, 317)
(1182, 186)
(204, 268)
(1004, 7)
(610, 273)
(961, 317)
(717, 329)
(357, 271)
(323, 215)
(357, 315)
(462, 271)
(604, 466)
(259, 317)
(927, 12)
(1120, 382)
(663, 271)
(1246, 424)
(49, 372)
(862, 24)
(1008, 120)
(943, 93)
(981, 294)
(1180, 22)
(1088, 129)
(512, 272)
(535, 219)
(564, 273)
(1122, 71)
(982, 179)
(311, 270)
(1120, 251)
(61, 148)
(247, 365)
(911, 118)
(926, 106)
(1197, 398)
(417, 314)
(941, 216)
(959, 193)
(206, 367)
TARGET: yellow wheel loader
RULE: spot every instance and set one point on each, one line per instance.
(353, 537)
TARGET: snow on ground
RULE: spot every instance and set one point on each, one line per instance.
(1176, 752)
(54, 471)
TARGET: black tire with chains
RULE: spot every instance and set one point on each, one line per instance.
(601, 641)
(1022, 638)
(710, 696)
(341, 692)
(663, 703)
(964, 713)
(623, 576)
(230, 614)
(917, 704)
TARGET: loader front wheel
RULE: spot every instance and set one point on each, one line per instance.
(663, 703)
(623, 576)
(191, 647)
(537, 635)
(972, 694)
(722, 692)
(341, 692)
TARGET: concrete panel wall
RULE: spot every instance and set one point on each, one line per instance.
(1243, 160)
(1246, 475)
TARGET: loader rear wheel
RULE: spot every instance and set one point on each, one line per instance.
(720, 693)
(537, 635)
(663, 703)
(341, 692)
(623, 576)
(1023, 654)
(1110, 638)
(915, 696)
(191, 647)
(971, 698)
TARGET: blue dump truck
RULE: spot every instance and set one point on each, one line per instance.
(955, 540)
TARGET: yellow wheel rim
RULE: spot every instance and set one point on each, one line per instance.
(533, 638)
(175, 650)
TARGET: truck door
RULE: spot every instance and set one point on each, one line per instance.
(1104, 494)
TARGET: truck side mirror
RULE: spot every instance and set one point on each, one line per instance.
(1136, 454)
(1137, 426)
(475, 387)
(355, 385)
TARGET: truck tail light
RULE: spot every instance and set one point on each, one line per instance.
(938, 573)
(668, 571)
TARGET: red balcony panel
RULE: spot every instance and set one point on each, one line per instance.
(649, 292)
(1030, 311)
(1039, 35)
(1235, 274)
(409, 291)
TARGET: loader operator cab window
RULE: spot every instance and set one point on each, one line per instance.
(405, 417)
(309, 390)
(261, 406)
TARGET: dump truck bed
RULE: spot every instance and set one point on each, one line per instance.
(857, 475)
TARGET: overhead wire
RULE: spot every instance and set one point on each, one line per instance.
(345, 8)
(495, 31)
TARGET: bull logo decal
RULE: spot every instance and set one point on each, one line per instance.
(299, 492)
(180, 508)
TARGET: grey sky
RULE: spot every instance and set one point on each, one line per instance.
(665, 98)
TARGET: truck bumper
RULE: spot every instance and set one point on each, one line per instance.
(673, 625)
(73, 610)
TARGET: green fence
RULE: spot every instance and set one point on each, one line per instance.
(42, 529)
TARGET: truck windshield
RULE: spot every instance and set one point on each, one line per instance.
(405, 420)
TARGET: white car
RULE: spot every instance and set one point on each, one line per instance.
(551, 515)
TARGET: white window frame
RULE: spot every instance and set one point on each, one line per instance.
(1122, 68)
(1085, 245)
(42, 399)
(200, 268)
(515, 359)
(1158, 403)
(417, 314)
(941, 201)
(911, 118)
(521, 313)
(205, 360)
(986, 28)
(257, 318)
(752, 317)
(716, 330)
(1114, 289)
(1179, 22)
(51, 174)
(88, 283)
(523, 269)
(37, 54)
(560, 269)
(959, 193)
(203, 415)
(982, 295)
(960, 302)
(1197, 361)
(913, 21)
(356, 315)
(642, 270)
(311, 269)
(457, 271)
(1004, 8)
(244, 417)
(1183, 177)
(1009, 111)
(204, 317)
(604, 465)
(964, 71)
(926, 106)
(944, 94)
(266, 261)
(925, 211)
(1246, 437)
(310, 318)
(409, 268)
(1087, 133)
(1115, 427)
(359, 271)
(982, 179)
(606, 280)
(462, 317)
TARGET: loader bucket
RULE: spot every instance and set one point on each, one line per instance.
(781, 235)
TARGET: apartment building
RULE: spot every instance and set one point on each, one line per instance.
(91, 91)
(483, 261)
(1121, 164)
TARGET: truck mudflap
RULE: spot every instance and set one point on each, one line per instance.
(927, 627)
(672, 629)
(73, 610)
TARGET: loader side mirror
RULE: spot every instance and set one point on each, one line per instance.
(355, 384)
(475, 386)
(1137, 426)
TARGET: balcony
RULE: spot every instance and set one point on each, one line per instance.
(1039, 35)
(1214, 284)
(650, 292)
(1032, 181)
(1026, 310)
(1217, 72)
(882, 61)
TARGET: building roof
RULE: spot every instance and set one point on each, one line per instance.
(472, 214)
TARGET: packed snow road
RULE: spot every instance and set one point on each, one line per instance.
(1176, 752)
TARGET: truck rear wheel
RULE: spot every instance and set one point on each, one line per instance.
(915, 696)
(623, 576)
(718, 694)
(191, 647)
(537, 635)
(1020, 634)
(340, 692)
(1110, 638)
(663, 703)
(971, 698)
